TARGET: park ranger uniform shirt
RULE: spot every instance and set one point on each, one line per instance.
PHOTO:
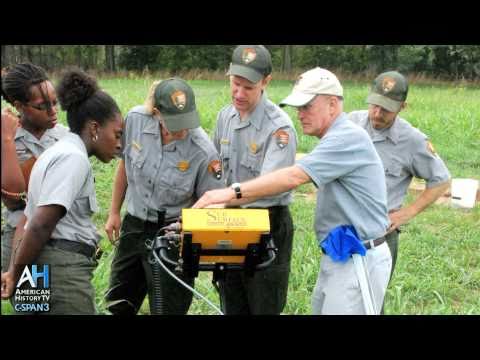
(406, 152)
(63, 176)
(29, 146)
(350, 179)
(263, 142)
(172, 176)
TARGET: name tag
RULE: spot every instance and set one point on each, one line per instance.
(224, 141)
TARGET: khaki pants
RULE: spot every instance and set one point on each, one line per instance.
(337, 291)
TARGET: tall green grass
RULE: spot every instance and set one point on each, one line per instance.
(438, 268)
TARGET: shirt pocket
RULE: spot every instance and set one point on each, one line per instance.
(137, 159)
(177, 186)
(394, 170)
(252, 163)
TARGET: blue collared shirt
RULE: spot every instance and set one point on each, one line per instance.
(350, 179)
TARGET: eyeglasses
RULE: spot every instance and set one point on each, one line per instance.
(44, 106)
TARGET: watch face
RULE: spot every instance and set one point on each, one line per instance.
(236, 188)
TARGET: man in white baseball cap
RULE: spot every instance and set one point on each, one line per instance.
(314, 82)
(352, 199)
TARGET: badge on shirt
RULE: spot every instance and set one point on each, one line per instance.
(253, 148)
(282, 138)
(431, 148)
(137, 146)
(183, 165)
(224, 141)
(215, 169)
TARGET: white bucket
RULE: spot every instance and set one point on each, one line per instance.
(464, 192)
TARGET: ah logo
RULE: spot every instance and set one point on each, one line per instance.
(32, 277)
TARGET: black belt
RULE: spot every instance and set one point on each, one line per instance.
(73, 246)
(147, 225)
(368, 244)
(376, 242)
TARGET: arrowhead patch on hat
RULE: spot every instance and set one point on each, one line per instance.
(248, 55)
(179, 99)
(215, 169)
(388, 84)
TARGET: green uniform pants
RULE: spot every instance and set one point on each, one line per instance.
(131, 275)
(7, 236)
(266, 292)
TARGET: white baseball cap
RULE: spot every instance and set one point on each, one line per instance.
(314, 82)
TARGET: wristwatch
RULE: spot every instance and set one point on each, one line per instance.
(236, 188)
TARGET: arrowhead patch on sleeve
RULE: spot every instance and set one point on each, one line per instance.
(431, 149)
(215, 168)
(282, 138)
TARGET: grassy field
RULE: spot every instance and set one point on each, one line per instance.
(438, 269)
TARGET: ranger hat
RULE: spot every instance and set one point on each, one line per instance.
(314, 82)
(389, 90)
(252, 62)
(175, 100)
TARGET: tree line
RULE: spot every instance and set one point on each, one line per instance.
(450, 62)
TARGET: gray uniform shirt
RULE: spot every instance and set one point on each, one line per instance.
(63, 176)
(27, 146)
(172, 176)
(349, 174)
(405, 152)
(263, 142)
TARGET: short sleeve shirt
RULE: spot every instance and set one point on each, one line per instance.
(55, 181)
(172, 176)
(349, 175)
(261, 143)
(406, 153)
(28, 146)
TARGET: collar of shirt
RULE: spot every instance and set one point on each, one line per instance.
(28, 136)
(77, 141)
(381, 135)
(181, 146)
(338, 121)
(255, 117)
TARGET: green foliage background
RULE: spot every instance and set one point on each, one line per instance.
(438, 270)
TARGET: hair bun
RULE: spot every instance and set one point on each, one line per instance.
(74, 88)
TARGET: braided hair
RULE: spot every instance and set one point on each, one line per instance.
(18, 80)
(82, 99)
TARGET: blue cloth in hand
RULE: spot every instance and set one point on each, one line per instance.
(342, 242)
